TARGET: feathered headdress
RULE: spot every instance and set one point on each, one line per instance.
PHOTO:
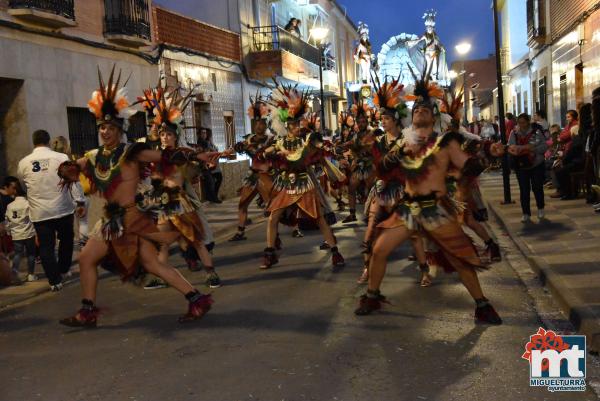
(258, 110)
(151, 97)
(346, 120)
(290, 102)
(169, 108)
(311, 122)
(426, 93)
(390, 98)
(360, 108)
(109, 102)
(452, 105)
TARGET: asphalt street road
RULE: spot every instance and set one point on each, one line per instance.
(288, 333)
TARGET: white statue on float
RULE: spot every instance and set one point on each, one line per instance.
(405, 50)
(431, 47)
(363, 54)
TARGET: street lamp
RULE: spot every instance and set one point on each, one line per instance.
(319, 34)
(505, 167)
(463, 49)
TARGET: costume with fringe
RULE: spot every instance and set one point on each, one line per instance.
(171, 203)
(436, 217)
(259, 178)
(122, 227)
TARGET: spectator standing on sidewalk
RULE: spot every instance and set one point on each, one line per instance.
(212, 177)
(527, 146)
(540, 119)
(8, 192)
(22, 233)
(510, 124)
(60, 144)
(51, 207)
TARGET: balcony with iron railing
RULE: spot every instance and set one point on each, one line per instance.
(53, 13)
(536, 23)
(273, 37)
(127, 22)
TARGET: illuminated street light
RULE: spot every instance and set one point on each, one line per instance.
(452, 74)
(463, 48)
(319, 34)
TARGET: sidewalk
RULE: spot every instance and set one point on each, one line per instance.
(223, 219)
(563, 250)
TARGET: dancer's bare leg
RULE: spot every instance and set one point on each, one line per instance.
(326, 231)
(243, 209)
(387, 241)
(477, 227)
(89, 258)
(418, 244)
(272, 227)
(352, 187)
(149, 259)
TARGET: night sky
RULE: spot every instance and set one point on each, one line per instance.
(457, 20)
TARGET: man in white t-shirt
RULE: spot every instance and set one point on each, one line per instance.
(51, 207)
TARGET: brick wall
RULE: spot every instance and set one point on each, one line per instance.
(89, 15)
(564, 13)
(175, 29)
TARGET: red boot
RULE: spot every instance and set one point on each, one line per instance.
(197, 308)
(86, 318)
(367, 305)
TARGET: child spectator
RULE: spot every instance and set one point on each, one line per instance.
(22, 232)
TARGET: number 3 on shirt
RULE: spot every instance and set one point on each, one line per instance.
(36, 166)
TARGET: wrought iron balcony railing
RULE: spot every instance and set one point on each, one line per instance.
(273, 37)
(329, 63)
(62, 8)
(127, 18)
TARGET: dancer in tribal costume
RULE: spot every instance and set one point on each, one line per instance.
(150, 101)
(424, 158)
(362, 170)
(295, 188)
(167, 196)
(125, 234)
(259, 180)
(342, 155)
(389, 187)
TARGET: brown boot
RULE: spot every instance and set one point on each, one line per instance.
(269, 258)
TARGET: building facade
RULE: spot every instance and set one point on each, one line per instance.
(269, 51)
(51, 52)
(561, 66)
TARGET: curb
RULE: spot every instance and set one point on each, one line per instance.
(583, 318)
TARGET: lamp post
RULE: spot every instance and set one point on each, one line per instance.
(463, 49)
(319, 34)
(503, 138)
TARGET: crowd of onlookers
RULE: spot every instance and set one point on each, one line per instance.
(564, 159)
(39, 220)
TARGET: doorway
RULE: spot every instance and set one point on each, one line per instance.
(15, 139)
